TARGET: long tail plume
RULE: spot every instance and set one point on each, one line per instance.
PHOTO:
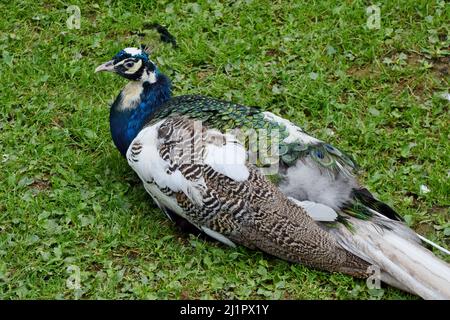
(396, 250)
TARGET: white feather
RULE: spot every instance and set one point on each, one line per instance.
(305, 181)
(162, 200)
(218, 237)
(133, 51)
(227, 159)
(150, 166)
(317, 211)
(149, 76)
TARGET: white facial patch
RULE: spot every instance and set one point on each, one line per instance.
(136, 66)
(133, 51)
(149, 76)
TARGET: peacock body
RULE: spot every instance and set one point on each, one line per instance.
(193, 160)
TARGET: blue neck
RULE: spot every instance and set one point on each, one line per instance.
(125, 123)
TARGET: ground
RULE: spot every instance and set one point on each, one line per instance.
(70, 205)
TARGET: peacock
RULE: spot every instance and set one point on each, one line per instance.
(211, 166)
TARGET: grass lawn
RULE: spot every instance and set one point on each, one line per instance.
(69, 202)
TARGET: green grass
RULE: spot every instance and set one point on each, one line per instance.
(67, 198)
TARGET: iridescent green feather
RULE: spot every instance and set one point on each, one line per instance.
(224, 116)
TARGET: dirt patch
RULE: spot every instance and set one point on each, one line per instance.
(414, 87)
(288, 296)
(133, 254)
(439, 210)
(362, 71)
(424, 228)
(95, 267)
(272, 52)
(183, 240)
(41, 185)
(414, 59)
(205, 73)
(441, 66)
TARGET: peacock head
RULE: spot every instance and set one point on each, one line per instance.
(131, 63)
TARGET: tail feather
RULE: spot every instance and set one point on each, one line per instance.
(403, 262)
(418, 237)
(433, 244)
(367, 199)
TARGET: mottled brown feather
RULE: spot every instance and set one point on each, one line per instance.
(253, 213)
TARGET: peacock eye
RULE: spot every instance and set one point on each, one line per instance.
(129, 64)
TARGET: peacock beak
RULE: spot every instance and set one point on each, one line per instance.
(107, 66)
